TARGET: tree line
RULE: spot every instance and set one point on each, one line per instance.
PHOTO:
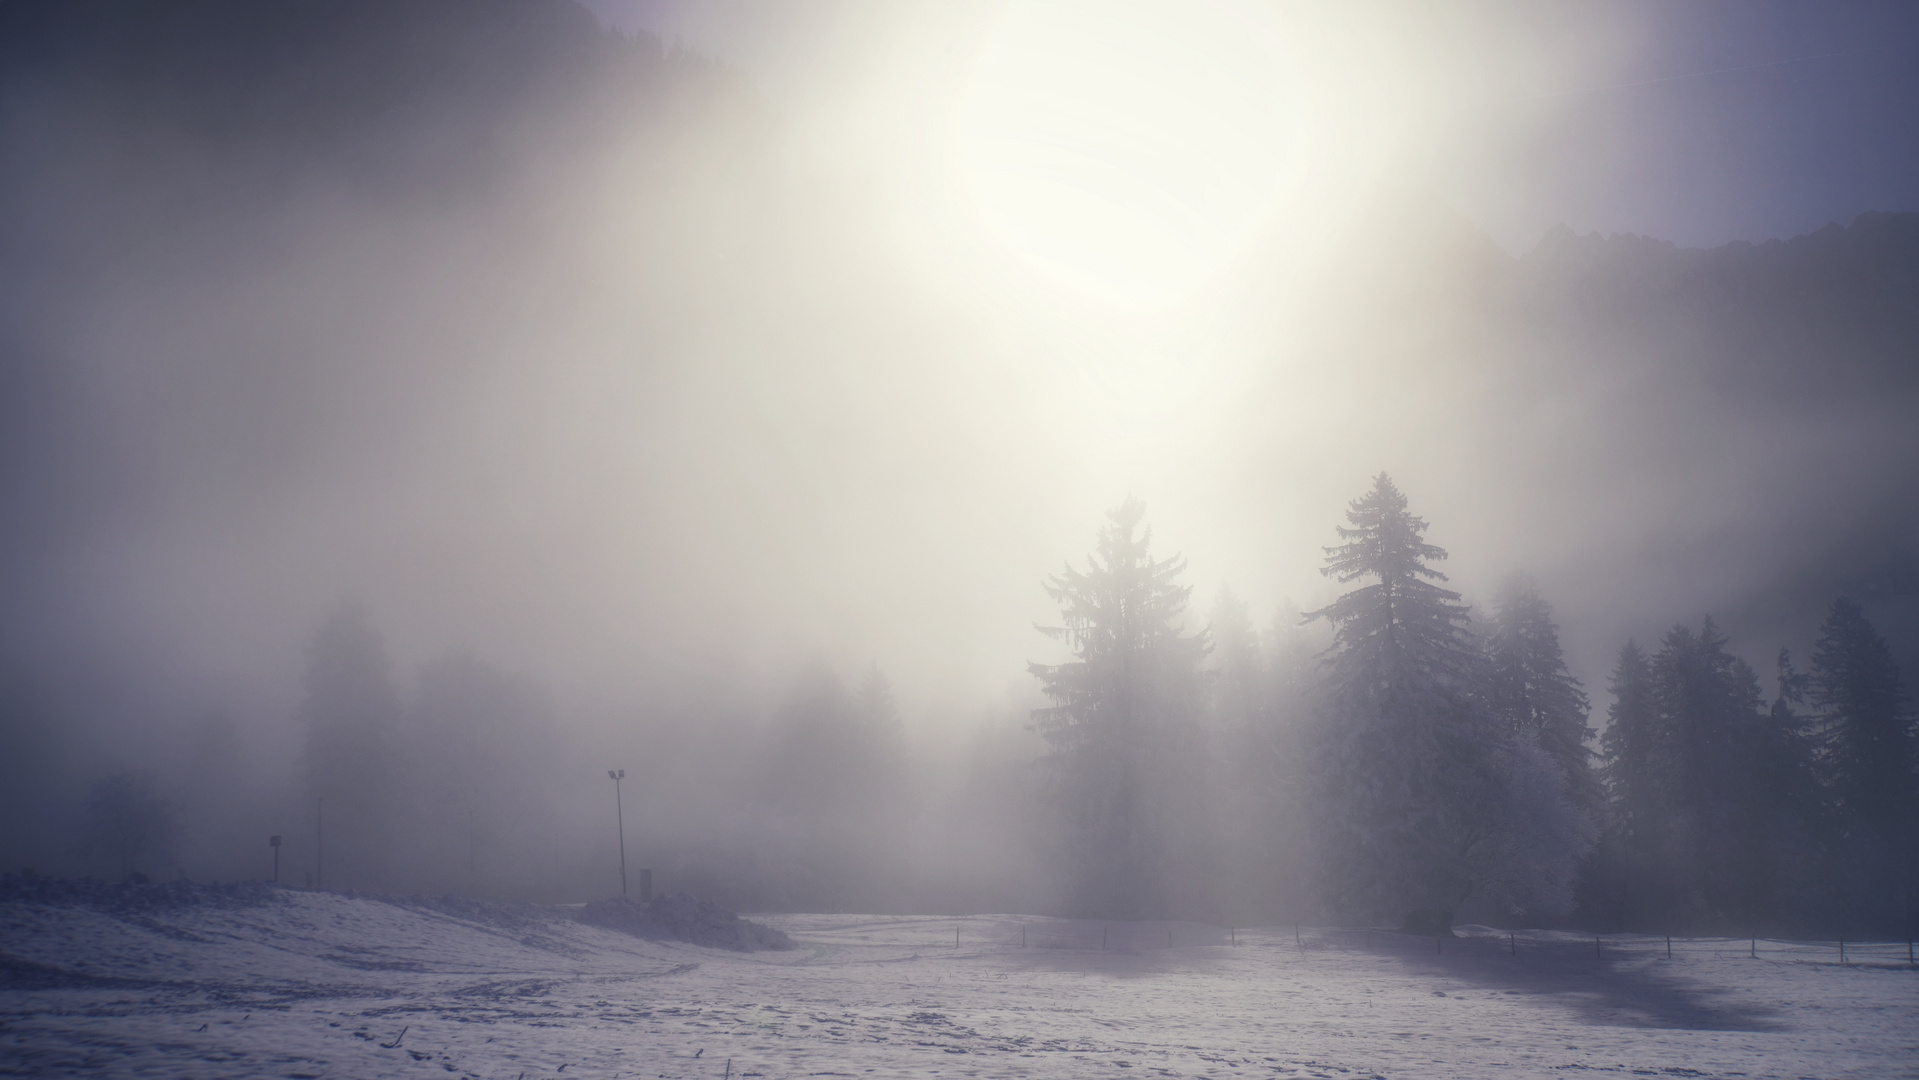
(1418, 770)
(1387, 759)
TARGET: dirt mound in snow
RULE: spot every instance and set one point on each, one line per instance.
(683, 918)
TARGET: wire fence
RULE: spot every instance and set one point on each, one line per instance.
(1476, 941)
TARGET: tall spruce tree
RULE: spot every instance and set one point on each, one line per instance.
(1619, 881)
(1868, 757)
(1427, 804)
(1120, 727)
(1529, 687)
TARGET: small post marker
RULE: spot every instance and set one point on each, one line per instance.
(956, 935)
(1669, 946)
(1512, 941)
(1233, 934)
(274, 843)
(1296, 940)
(1842, 950)
(1752, 950)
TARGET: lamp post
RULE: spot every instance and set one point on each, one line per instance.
(619, 811)
(274, 843)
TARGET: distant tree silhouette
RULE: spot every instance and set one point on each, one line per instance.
(1712, 815)
(1529, 687)
(128, 819)
(351, 713)
(1121, 727)
(1866, 731)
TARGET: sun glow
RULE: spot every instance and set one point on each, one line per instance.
(1126, 150)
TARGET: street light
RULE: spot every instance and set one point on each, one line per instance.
(616, 775)
(274, 843)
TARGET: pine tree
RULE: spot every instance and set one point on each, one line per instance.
(1726, 786)
(1619, 884)
(1633, 758)
(1427, 804)
(1529, 687)
(1868, 756)
(1402, 621)
(1120, 726)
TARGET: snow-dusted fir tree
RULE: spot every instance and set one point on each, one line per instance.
(1426, 802)
(1120, 727)
(1529, 687)
(1868, 753)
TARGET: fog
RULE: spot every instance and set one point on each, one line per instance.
(679, 394)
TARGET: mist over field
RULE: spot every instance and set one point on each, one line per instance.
(412, 410)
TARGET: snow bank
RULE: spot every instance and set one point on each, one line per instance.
(683, 918)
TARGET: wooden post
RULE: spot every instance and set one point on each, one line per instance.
(1669, 946)
(1753, 950)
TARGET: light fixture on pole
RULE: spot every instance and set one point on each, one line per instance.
(616, 775)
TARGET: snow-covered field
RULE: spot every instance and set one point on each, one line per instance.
(304, 984)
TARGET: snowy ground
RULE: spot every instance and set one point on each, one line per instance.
(307, 984)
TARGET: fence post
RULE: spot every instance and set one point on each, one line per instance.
(1669, 946)
(1753, 950)
(1842, 951)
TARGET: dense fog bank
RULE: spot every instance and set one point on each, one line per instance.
(425, 407)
